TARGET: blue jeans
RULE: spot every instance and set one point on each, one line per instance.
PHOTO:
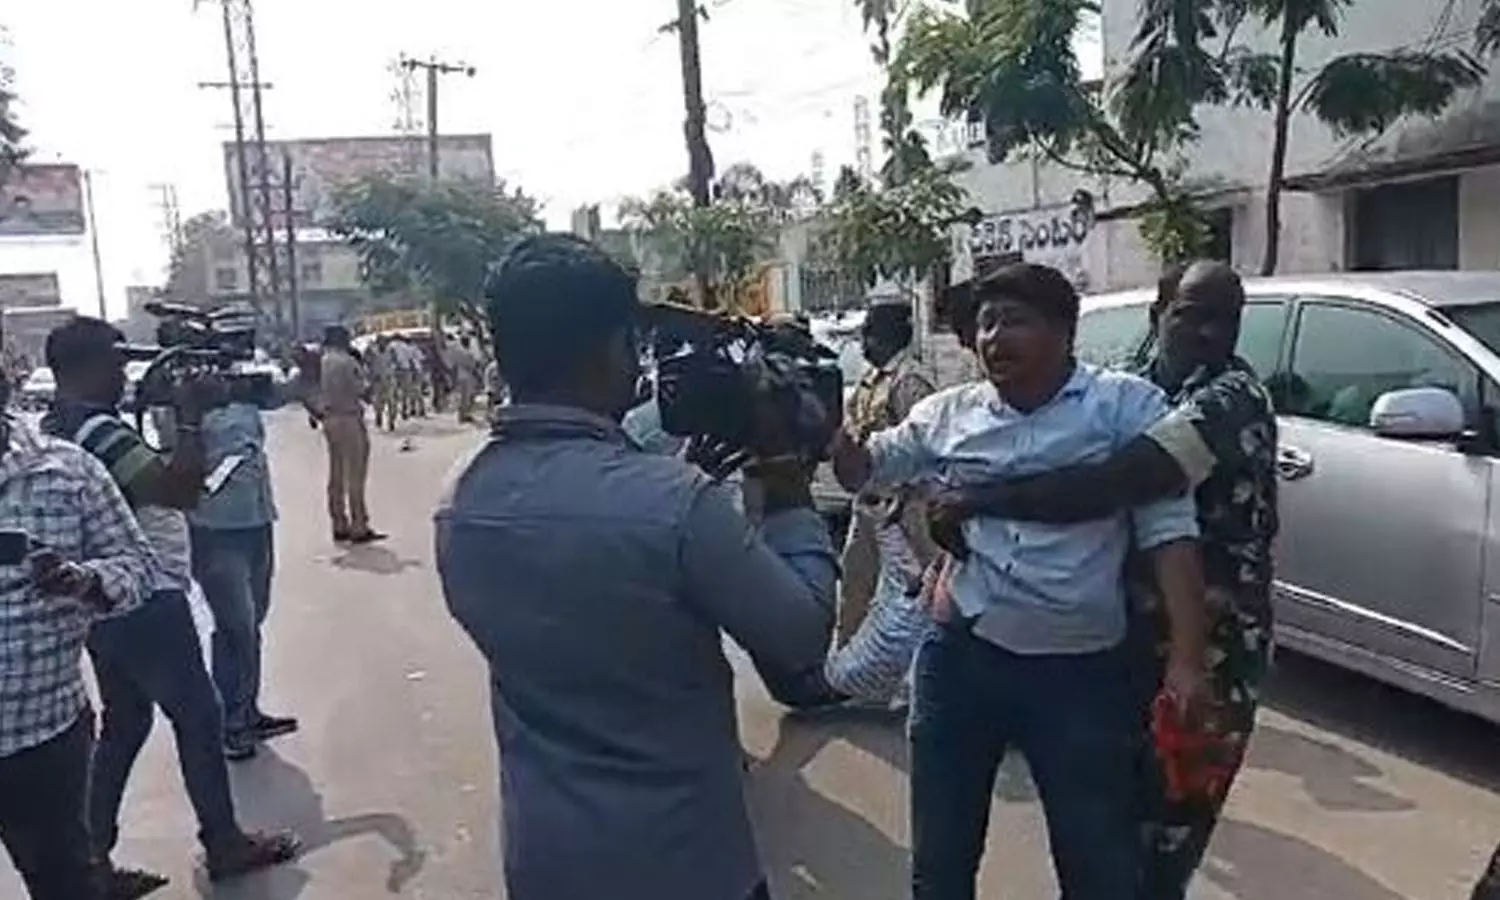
(234, 568)
(1076, 721)
(145, 659)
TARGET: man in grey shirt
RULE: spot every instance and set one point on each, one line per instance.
(595, 578)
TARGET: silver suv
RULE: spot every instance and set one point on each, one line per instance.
(1387, 388)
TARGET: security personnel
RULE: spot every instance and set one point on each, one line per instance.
(890, 387)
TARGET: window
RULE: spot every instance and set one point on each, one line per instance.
(312, 273)
(1346, 357)
(1409, 225)
(1262, 330)
(226, 278)
(1112, 336)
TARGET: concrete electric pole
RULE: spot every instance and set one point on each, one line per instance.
(434, 68)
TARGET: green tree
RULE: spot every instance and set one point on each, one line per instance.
(726, 241)
(438, 239)
(1354, 94)
(12, 135)
(1011, 64)
(898, 232)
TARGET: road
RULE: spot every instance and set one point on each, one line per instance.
(1353, 791)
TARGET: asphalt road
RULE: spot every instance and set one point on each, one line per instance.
(1353, 791)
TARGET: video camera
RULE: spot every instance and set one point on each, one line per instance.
(714, 370)
(194, 344)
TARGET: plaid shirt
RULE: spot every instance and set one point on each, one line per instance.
(64, 500)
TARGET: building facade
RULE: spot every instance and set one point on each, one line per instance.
(1423, 194)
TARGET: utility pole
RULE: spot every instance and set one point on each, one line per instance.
(88, 199)
(241, 163)
(288, 208)
(266, 194)
(434, 68)
(700, 158)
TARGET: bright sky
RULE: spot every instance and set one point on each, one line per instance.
(583, 98)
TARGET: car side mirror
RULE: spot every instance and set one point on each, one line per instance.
(1424, 413)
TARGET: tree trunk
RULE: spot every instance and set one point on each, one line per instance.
(700, 160)
(1281, 125)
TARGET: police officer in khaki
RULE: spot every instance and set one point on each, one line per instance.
(891, 386)
(339, 407)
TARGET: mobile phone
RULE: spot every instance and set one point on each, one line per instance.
(216, 479)
(15, 546)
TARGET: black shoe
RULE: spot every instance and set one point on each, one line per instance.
(131, 884)
(366, 537)
(267, 727)
(342, 537)
(240, 747)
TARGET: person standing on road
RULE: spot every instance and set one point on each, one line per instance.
(150, 657)
(383, 375)
(92, 562)
(233, 542)
(461, 361)
(1033, 654)
(1219, 442)
(888, 390)
(595, 577)
(339, 407)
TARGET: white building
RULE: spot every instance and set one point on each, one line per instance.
(1425, 194)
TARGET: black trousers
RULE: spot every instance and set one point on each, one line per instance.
(42, 814)
(761, 893)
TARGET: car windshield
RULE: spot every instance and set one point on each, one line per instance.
(1481, 320)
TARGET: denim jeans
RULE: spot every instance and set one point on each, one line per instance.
(148, 658)
(234, 568)
(42, 822)
(1075, 720)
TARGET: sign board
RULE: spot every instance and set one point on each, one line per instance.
(1053, 236)
(320, 166)
(29, 289)
(42, 201)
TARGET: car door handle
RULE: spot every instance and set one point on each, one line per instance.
(1292, 463)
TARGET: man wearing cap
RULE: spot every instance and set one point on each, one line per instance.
(891, 386)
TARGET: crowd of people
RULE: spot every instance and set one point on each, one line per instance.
(1051, 558)
(1064, 561)
(118, 530)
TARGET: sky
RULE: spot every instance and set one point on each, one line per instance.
(582, 97)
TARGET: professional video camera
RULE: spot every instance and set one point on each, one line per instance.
(713, 370)
(194, 344)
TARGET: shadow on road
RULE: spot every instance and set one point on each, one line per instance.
(272, 790)
(1252, 862)
(1362, 709)
(375, 560)
(821, 848)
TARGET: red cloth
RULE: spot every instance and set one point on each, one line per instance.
(1198, 759)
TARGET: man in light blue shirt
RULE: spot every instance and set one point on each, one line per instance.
(597, 580)
(1032, 655)
(233, 538)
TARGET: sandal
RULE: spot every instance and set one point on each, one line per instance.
(131, 884)
(255, 852)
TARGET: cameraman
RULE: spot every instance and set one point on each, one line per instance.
(595, 578)
(151, 656)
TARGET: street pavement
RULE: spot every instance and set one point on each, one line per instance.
(1353, 791)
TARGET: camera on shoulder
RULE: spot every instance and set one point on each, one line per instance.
(768, 389)
(199, 355)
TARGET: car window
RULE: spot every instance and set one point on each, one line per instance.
(1112, 336)
(1345, 357)
(1262, 330)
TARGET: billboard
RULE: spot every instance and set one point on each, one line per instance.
(320, 166)
(29, 289)
(42, 201)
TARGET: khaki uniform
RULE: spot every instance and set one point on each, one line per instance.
(882, 399)
(341, 393)
(464, 366)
